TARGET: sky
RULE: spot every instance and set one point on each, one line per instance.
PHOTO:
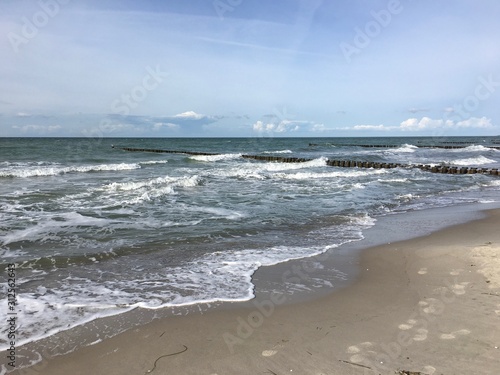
(249, 68)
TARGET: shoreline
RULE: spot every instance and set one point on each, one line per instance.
(416, 305)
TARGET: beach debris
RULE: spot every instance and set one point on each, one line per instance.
(163, 356)
(354, 364)
(406, 372)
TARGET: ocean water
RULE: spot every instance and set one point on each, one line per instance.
(96, 231)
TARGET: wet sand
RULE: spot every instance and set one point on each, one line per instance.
(429, 304)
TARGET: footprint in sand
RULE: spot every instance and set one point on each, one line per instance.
(432, 306)
(357, 351)
(273, 351)
(453, 335)
(422, 271)
(365, 354)
(459, 289)
(409, 325)
(421, 333)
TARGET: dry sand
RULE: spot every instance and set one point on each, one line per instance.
(428, 305)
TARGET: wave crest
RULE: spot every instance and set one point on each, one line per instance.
(41, 171)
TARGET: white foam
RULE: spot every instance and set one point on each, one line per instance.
(153, 162)
(406, 148)
(473, 148)
(186, 181)
(215, 157)
(221, 212)
(137, 192)
(357, 185)
(479, 160)
(260, 171)
(40, 171)
(11, 254)
(327, 175)
(278, 152)
(320, 162)
(42, 314)
(407, 197)
(365, 220)
(45, 228)
(389, 180)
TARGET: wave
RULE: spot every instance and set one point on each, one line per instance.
(319, 162)
(474, 148)
(148, 190)
(278, 152)
(480, 160)
(406, 148)
(215, 157)
(335, 174)
(185, 181)
(41, 171)
(262, 170)
(153, 162)
(48, 228)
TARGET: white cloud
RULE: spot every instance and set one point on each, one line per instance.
(190, 115)
(319, 128)
(426, 123)
(277, 127)
(475, 122)
(413, 124)
(258, 126)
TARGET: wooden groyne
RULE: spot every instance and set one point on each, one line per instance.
(444, 169)
(167, 151)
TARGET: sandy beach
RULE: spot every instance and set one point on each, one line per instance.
(429, 305)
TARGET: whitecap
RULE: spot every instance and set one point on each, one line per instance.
(215, 157)
(278, 152)
(37, 171)
(480, 160)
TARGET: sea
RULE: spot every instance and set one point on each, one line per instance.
(96, 231)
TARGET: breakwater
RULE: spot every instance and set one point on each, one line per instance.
(445, 169)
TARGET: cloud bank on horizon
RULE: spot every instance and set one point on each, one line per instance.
(249, 68)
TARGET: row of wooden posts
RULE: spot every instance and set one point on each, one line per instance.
(446, 169)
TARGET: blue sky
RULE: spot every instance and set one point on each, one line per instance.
(249, 68)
